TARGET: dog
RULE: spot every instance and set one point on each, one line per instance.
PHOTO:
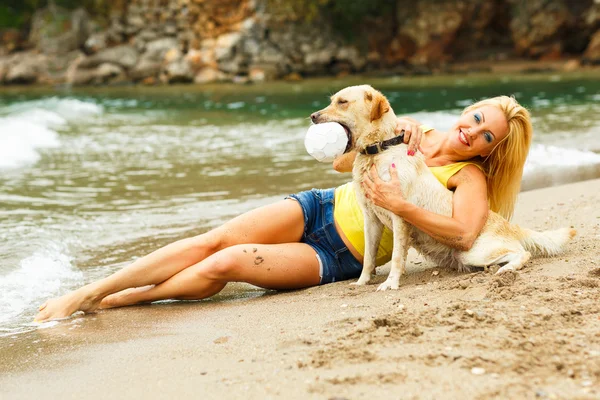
(369, 119)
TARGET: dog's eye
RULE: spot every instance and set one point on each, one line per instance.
(342, 101)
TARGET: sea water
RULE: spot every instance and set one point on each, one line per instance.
(91, 179)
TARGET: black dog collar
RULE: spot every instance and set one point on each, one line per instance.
(383, 145)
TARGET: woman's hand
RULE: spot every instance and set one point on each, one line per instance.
(387, 195)
(412, 133)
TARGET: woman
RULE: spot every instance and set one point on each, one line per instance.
(300, 242)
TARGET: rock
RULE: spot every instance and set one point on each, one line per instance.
(172, 55)
(145, 68)
(11, 40)
(3, 68)
(270, 55)
(149, 81)
(234, 66)
(108, 72)
(25, 68)
(208, 75)
(141, 39)
(225, 44)
(178, 72)
(592, 52)
(319, 59)
(251, 47)
(95, 43)
(123, 55)
(433, 31)
(537, 26)
(352, 56)
(401, 48)
(156, 49)
(477, 371)
(55, 30)
(293, 77)
(135, 22)
(104, 73)
(196, 59)
(262, 72)
(240, 80)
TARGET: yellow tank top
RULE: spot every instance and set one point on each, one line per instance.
(350, 218)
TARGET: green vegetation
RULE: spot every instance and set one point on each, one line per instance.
(17, 13)
(343, 14)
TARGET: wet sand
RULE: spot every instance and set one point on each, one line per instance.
(531, 334)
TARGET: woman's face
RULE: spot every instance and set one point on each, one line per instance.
(478, 131)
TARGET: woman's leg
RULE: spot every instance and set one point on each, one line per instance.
(281, 222)
(278, 266)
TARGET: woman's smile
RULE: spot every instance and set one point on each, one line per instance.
(462, 137)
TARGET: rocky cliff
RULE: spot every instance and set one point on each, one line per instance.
(173, 41)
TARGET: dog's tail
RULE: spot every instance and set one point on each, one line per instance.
(546, 243)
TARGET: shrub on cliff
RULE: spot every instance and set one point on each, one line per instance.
(344, 15)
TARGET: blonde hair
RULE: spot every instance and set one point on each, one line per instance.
(504, 165)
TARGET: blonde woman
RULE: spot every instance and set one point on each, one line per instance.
(314, 237)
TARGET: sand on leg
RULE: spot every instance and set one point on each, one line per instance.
(278, 266)
(281, 222)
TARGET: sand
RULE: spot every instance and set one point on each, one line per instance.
(531, 334)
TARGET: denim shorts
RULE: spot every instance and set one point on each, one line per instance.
(336, 261)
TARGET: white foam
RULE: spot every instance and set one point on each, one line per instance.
(544, 157)
(552, 165)
(42, 275)
(437, 119)
(21, 139)
(69, 109)
(30, 126)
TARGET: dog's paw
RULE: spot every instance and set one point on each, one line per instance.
(388, 285)
(504, 269)
(360, 282)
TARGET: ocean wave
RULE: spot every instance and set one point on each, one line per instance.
(39, 276)
(549, 165)
(67, 108)
(21, 139)
(29, 126)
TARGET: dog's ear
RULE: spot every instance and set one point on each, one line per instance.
(380, 106)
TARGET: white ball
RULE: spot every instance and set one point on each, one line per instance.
(326, 141)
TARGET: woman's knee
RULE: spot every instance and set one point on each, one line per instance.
(224, 265)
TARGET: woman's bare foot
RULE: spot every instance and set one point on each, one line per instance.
(65, 306)
(126, 297)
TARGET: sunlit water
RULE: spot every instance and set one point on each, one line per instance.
(93, 178)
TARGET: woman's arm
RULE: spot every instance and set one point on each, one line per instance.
(469, 207)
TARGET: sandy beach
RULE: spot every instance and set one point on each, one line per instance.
(530, 334)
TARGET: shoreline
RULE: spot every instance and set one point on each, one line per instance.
(532, 333)
(516, 69)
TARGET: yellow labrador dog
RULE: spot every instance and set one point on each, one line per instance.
(368, 118)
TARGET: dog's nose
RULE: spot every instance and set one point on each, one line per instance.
(314, 116)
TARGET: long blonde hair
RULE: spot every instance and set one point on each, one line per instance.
(504, 165)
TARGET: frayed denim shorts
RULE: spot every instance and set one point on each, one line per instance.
(336, 261)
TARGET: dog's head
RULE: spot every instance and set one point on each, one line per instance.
(364, 112)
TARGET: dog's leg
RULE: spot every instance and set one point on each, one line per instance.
(398, 268)
(373, 232)
(514, 261)
(486, 253)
